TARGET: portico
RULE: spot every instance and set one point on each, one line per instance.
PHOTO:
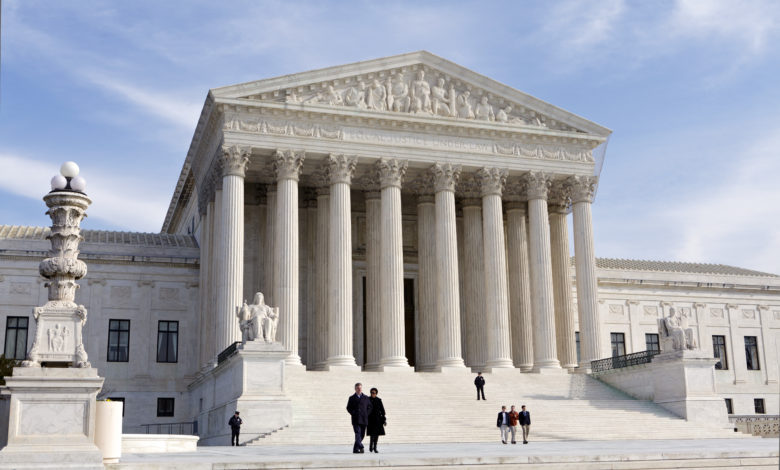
(341, 202)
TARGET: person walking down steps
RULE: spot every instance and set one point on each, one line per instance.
(235, 428)
(376, 421)
(502, 423)
(479, 382)
(359, 407)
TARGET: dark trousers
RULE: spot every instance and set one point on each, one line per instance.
(373, 442)
(360, 433)
(234, 436)
(481, 389)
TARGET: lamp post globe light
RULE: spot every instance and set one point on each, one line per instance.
(69, 179)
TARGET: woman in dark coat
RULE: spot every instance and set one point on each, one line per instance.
(376, 420)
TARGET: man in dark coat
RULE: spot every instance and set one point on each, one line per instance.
(525, 423)
(480, 383)
(235, 428)
(502, 423)
(359, 407)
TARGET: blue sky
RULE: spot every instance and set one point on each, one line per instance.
(690, 89)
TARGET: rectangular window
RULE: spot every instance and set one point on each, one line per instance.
(16, 338)
(164, 407)
(758, 404)
(618, 344)
(719, 352)
(729, 406)
(167, 341)
(118, 340)
(577, 341)
(751, 353)
(121, 399)
(651, 342)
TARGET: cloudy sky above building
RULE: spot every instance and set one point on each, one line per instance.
(690, 89)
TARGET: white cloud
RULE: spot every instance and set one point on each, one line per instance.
(124, 202)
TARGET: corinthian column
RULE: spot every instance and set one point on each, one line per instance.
(474, 284)
(564, 306)
(445, 178)
(582, 189)
(340, 169)
(519, 287)
(231, 244)
(426, 280)
(373, 301)
(537, 184)
(391, 271)
(496, 302)
(269, 245)
(320, 330)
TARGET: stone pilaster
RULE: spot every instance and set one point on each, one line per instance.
(340, 169)
(542, 301)
(321, 323)
(474, 284)
(231, 244)
(287, 167)
(391, 271)
(373, 300)
(426, 281)
(564, 305)
(448, 313)
(519, 287)
(492, 182)
(581, 191)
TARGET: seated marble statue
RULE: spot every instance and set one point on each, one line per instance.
(257, 320)
(674, 332)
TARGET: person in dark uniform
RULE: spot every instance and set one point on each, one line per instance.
(235, 428)
(480, 383)
(359, 407)
(376, 420)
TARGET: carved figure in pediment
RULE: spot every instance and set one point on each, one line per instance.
(292, 97)
(356, 96)
(464, 106)
(398, 98)
(484, 111)
(376, 97)
(440, 105)
(331, 96)
(421, 94)
(537, 121)
(675, 334)
(505, 116)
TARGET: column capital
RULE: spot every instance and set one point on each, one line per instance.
(340, 168)
(558, 201)
(425, 198)
(581, 188)
(536, 184)
(287, 164)
(491, 181)
(390, 171)
(321, 181)
(234, 159)
(445, 176)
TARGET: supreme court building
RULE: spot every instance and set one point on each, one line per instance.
(402, 213)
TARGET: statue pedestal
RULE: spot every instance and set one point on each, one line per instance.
(250, 381)
(52, 418)
(684, 383)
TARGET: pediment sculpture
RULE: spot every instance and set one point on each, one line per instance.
(675, 334)
(257, 320)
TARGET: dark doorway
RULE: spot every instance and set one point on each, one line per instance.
(411, 352)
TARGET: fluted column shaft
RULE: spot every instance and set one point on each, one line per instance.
(519, 287)
(217, 284)
(564, 305)
(391, 271)
(340, 170)
(542, 302)
(234, 160)
(321, 323)
(204, 287)
(474, 284)
(426, 282)
(287, 166)
(582, 188)
(445, 178)
(269, 245)
(496, 301)
(373, 301)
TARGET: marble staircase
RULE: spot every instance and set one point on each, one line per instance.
(442, 407)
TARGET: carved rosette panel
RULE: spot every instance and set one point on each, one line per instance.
(445, 176)
(287, 164)
(582, 188)
(391, 172)
(537, 185)
(491, 181)
(234, 160)
(340, 168)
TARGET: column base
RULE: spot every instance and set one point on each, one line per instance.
(453, 364)
(393, 368)
(569, 367)
(341, 362)
(293, 360)
(425, 368)
(394, 362)
(505, 363)
(525, 367)
(371, 367)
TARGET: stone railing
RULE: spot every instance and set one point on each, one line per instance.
(757, 425)
(627, 360)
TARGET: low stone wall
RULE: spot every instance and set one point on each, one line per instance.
(762, 426)
(157, 443)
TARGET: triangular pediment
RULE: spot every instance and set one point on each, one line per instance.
(417, 84)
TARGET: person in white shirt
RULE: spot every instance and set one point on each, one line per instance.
(502, 422)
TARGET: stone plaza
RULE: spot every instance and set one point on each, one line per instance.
(403, 222)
